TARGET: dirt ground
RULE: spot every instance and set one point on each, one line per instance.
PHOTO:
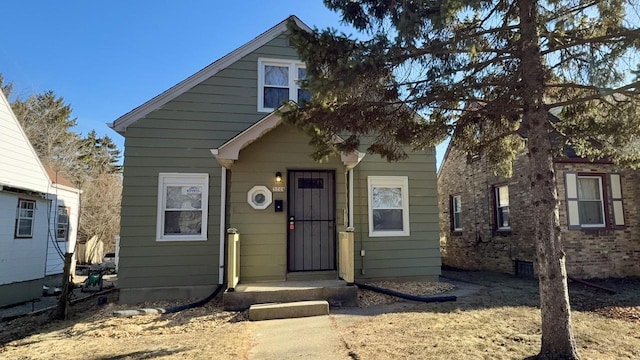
(501, 321)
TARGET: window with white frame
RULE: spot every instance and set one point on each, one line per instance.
(388, 205)
(503, 220)
(62, 226)
(279, 82)
(456, 211)
(590, 201)
(182, 206)
(25, 218)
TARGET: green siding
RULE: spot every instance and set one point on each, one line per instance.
(414, 255)
(263, 233)
(178, 138)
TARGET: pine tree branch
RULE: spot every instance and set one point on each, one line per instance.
(604, 39)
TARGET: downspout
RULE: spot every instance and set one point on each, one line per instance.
(350, 225)
(223, 204)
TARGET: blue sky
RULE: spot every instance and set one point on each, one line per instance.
(107, 57)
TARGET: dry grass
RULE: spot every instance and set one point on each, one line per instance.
(499, 322)
(201, 333)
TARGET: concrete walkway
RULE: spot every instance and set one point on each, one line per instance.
(318, 337)
(313, 337)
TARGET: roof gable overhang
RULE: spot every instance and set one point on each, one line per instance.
(120, 124)
(229, 152)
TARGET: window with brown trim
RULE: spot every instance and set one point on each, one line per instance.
(456, 213)
(502, 212)
(25, 218)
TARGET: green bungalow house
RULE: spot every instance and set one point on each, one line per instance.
(210, 156)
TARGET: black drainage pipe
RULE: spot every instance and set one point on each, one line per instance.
(171, 310)
(426, 299)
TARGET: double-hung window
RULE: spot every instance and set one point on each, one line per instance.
(587, 200)
(503, 221)
(590, 201)
(182, 206)
(279, 82)
(388, 206)
(62, 226)
(456, 211)
(25, 218)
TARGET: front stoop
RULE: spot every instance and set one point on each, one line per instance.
(336, 292)
(297, 309)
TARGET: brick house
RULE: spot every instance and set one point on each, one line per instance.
(485, 222)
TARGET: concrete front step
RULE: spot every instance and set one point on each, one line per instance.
(336, 292)
(288, 310)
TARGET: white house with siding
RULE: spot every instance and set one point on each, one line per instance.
(28, 206)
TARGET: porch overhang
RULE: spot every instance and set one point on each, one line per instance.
(229, 152)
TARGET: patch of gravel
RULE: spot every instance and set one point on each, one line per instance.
(367, 298)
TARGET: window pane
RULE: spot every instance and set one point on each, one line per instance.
(274, 97)
(386, 198)
(302, 73)
(27, 204)
(304, 96)
(387, 219)
(588, 188)
(24, 227)
(503, 196)
(590, 212)
(456, 204)
(26, 213)
(276, 75)
(183, 222)
(503, 217)
(184, 197)
(61, 232)
(63, 218)
(456, 221)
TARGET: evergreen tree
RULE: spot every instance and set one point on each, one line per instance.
(486, 71)
(46, 120)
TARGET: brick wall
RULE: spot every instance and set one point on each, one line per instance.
(590, 253)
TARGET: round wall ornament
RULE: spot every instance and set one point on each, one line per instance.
(259, 197)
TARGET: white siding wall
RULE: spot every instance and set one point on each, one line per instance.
(19, 164)
(22, 259)
(69, 198)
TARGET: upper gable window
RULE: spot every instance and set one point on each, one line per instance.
(279, 82)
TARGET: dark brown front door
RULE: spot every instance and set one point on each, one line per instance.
(312, 228)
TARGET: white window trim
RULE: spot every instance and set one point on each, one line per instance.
(194, 179)
(66, 238)
(293, 66)
(18, 218)
(604, 217)
(496, 197)
(456, 227)
(389, 181)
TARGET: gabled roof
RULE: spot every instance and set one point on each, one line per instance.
(229, 152)
(120, 124)
(58, 179)
(24, 172)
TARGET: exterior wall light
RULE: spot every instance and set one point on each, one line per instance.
(278, 177)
